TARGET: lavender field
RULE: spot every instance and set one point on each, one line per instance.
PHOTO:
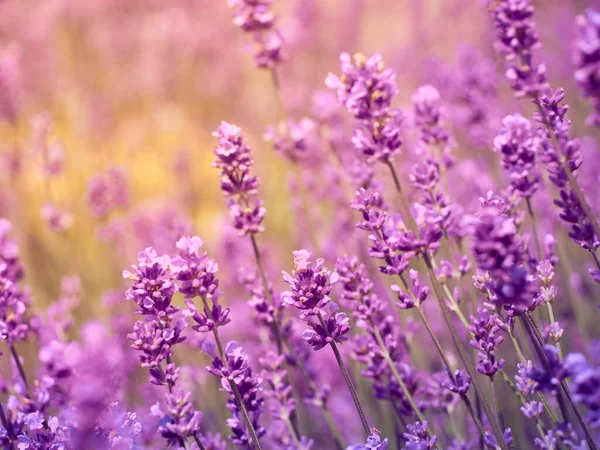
(300, 224)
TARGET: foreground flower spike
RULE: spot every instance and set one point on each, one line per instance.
(256, 18)
(366, 88)
(587, 59)
(310, 287)
(234, 160)
(484, 328)
(416, 437)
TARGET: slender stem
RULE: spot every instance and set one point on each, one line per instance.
(20, 368)
(236, 393)
(588, 435)
(8, 427)
(534, 228)
(572, 181)
(349, 382)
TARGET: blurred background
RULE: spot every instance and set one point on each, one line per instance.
(111, 95)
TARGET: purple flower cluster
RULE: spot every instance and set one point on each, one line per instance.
(107, 192)
(484, 328)
(256, 18)
(518, 144)
(238, 381)
(15, 323)
(517, 38)
(587, 60)
(234, 160)
(499, 251)
(366, 88)
(429, 120)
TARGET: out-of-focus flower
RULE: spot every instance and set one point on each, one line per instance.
(587, 60)
(108, 191)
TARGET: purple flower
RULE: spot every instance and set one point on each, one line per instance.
(236, 369)
(587, 60)
(429, 120)
(309, 285)
(366, 88)
(107, 192)
(549, 377)
(152, 285)
(516, 39)
(234, 160)
(256, 18)
(484, 328)
(419, 292)
(294, 140)
(374, 442)
(335, 329)
(179, 420)
(518, 143)
(416, 437)
(490, 441)
(499, 251)
(461, 383)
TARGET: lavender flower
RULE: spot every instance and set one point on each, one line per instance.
(255, 17)
(234, 162)
(429, 120)
(366, 88)
(517, 38)
(374, 442)
(587, 60)
(416, 437)
(309, 285)
(498, 251)
(518, 143)
(179, 420)
(484, 328)
(236, 370)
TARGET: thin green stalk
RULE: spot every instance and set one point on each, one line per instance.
(351, 387)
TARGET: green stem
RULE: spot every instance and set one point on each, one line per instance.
(534, 228)
(199, 443)
(349, 382)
